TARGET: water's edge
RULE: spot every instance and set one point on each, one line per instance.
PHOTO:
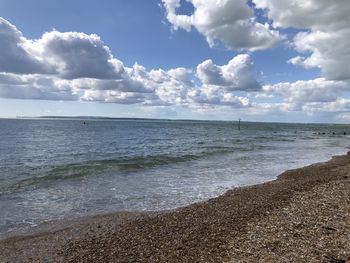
(122, 217)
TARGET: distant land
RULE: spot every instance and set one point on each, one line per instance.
(158, 119)
(107, 118)
(85, 118)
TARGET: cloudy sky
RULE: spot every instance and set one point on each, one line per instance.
(261, 60)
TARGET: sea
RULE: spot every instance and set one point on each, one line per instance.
(53, 169)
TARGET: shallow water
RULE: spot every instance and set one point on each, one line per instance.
(51, 169)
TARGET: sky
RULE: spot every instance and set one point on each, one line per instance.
(259, 60)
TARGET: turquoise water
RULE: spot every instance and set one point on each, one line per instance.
(52, 169)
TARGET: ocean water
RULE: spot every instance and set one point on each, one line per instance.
(54, 169)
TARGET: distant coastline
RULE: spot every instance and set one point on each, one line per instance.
(112, 118)
(58, 117)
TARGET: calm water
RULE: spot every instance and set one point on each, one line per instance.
(51, 169)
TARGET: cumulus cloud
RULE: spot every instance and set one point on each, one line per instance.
(70, 54)
(327, 38)
(14, 57)
(299, 94)
(330, 51)
(126, 84)
(77, 55)
(77, 66)
(211, 96)
(113, 96)
(319, 14)
(232, 22)
(35, 87)
(238, 74)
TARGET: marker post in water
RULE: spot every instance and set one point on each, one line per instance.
(239, 124)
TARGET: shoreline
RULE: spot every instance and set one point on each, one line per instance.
(210, 231)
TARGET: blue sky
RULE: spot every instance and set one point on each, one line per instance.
(134, 30)
(165, 36)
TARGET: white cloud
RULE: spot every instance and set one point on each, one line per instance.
(77, 66)
(338, 106)
(301, 95)
(318, 14)
(14, 58)
(77, 55)
(328, 32)
(238, 74)
(126, 84)
(69, 55)
(330, 51)
(231, 22)
(113, 96)
(35, 87)
(211, 96)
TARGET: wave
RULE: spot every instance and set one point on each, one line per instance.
(76, 171)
